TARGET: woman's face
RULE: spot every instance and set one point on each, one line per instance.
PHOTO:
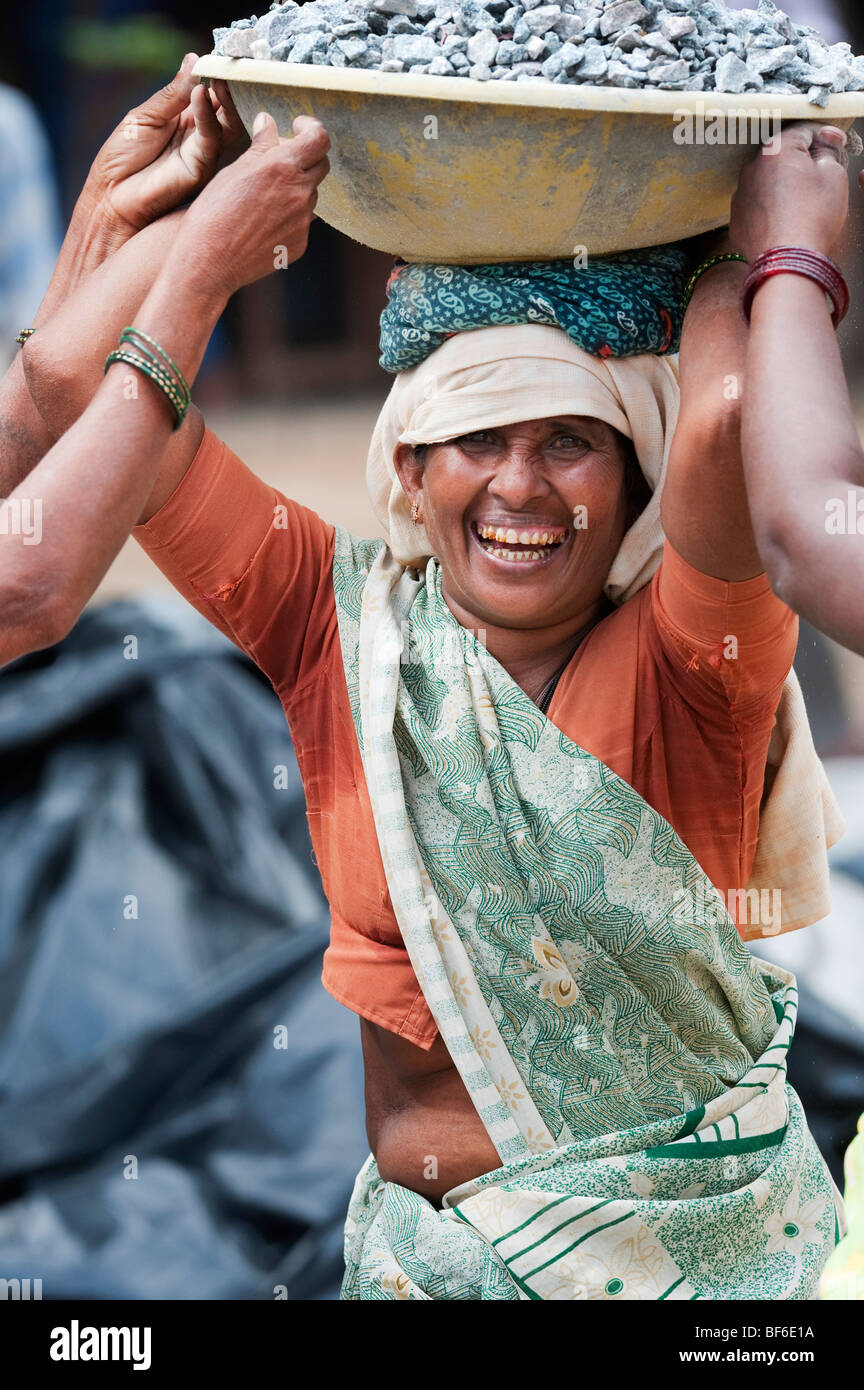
(525, 519)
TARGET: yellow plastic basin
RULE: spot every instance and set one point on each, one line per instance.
(453, 170)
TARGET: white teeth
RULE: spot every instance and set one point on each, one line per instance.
(517, 555)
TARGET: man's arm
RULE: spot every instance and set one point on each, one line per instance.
(94, 484)
(802, 453)
(24, 434)
(804, 460)
(160, 154)
(90, 488)
(64, 362)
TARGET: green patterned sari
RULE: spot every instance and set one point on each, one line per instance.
(624, 1050)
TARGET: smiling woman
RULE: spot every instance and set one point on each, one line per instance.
(524, 518)
(525, 768)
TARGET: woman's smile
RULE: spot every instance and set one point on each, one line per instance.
(527, 546)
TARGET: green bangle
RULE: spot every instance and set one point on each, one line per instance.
(157, 375)
(160, 378)
(151, 369)
(130, 334)
(704, 268)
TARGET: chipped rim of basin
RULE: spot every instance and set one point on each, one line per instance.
(531, 92)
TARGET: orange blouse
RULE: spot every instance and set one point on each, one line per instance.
(676, 691)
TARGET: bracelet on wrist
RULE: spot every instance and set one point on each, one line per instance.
(25, 333)
(131, 335)
(798, 260)
(703, 270)
(146, 355)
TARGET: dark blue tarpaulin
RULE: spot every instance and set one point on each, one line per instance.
(180, 1101)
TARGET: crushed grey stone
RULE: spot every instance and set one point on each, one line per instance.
(694, 45)
(414, 48)
(670, 74)
(407, 7)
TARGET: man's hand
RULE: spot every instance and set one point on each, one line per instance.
(163, 152)
(795, 196)
(257, 213)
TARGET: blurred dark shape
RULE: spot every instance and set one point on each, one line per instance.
(815, 665)
(830, 17)
(146, 43)
(826, 1068)
(161, 921)
(30, 232)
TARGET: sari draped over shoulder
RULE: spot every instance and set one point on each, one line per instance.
(623, 1049)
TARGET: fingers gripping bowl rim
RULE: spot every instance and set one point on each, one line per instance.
(449, 169)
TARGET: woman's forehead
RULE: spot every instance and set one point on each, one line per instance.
(551, 421)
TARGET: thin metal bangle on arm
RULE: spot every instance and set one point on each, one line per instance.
(91, 487)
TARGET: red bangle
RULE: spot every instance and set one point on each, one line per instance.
(798, 260)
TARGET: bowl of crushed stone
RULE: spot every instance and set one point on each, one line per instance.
(461, 170)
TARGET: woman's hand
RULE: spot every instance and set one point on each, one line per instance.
(255, 215)
(794, 195)
(163, 152)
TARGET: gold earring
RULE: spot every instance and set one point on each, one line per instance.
(415, 513)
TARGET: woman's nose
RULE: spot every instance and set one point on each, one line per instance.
(518, 480)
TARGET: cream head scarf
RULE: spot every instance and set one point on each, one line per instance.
(498, 376)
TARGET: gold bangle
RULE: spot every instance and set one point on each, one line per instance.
(24, 335)
(704, 268)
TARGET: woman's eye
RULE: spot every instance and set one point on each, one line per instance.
(478, 437)
(570, 441)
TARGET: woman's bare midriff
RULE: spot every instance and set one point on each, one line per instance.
(422, 1127)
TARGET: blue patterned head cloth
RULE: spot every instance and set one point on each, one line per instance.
(619, 306)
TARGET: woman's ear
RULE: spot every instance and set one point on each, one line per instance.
(408, 462)
(636, 486)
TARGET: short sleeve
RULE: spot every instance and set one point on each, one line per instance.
(255, 564)
(723, 643)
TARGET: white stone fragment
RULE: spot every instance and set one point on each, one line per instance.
(238, 44)
(732, 75)
(482, 47)
(618, 16)
(677, 26)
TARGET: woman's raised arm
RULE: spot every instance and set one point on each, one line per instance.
(704, 501)
(802, 454)
(92, 487)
